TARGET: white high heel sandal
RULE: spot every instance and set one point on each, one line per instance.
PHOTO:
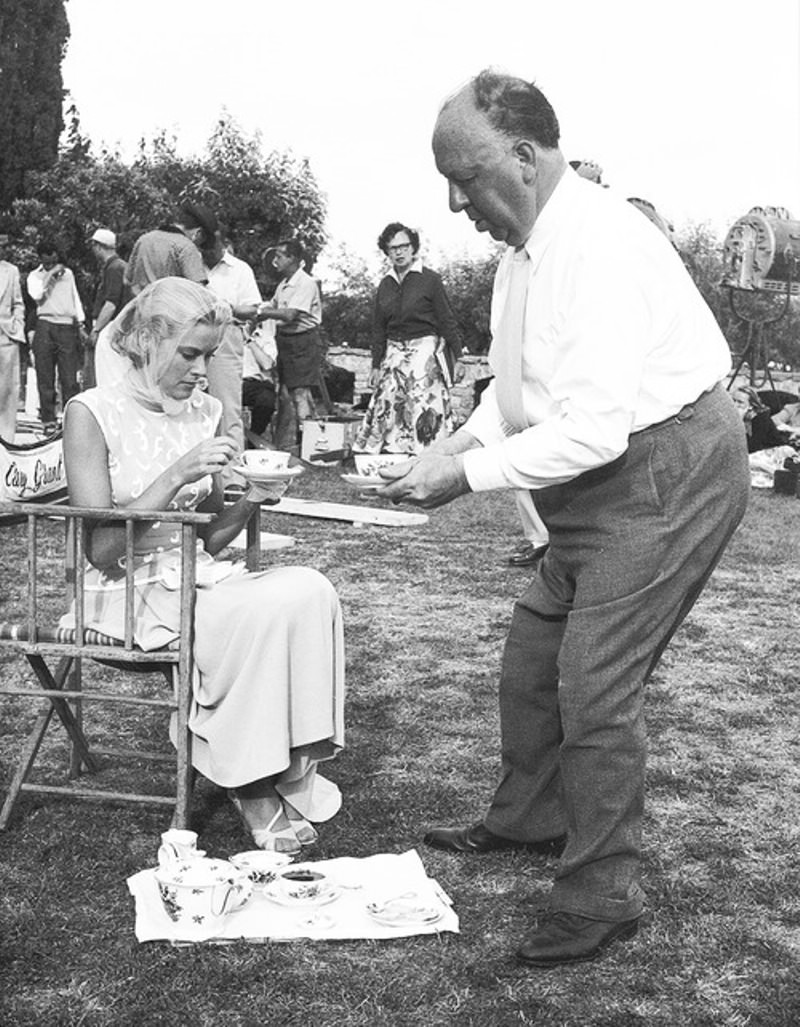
(267, 838)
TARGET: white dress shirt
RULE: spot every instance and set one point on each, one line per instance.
(616, 337)
(233, 280)
(56, 298)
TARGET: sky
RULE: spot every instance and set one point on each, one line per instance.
(692, 104)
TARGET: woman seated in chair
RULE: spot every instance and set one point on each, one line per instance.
(269, 691)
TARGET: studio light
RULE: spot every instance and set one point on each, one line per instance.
(761, 252)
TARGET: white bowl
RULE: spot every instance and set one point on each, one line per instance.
(261, 865)
(369, 464)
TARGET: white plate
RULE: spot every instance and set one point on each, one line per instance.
(405, 912)
(274, 894)
(366, 481)
(266, 475)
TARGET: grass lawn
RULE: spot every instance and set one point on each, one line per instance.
(426, 610)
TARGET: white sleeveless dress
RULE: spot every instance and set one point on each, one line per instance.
(269, 647)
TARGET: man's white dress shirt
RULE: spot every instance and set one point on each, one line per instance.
(615, 338)
(233, 280)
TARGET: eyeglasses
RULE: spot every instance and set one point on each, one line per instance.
(400, 248)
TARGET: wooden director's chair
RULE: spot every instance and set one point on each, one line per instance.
(56, 655)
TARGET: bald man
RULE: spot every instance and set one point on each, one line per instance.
(606, 405)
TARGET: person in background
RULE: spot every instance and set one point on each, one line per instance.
(650, 212)
(12, 336)
(296, 309)
(268, 699)
(57, 338)
(233, 281)
(173, 249)
(415, 349)
(535, 539)
(258, 382)
(110, 296)
(608, 402)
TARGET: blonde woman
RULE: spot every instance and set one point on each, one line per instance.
(268, 702)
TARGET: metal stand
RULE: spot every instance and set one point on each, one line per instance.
(756, 351)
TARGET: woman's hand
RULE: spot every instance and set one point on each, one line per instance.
(374, 375)
(207, 457)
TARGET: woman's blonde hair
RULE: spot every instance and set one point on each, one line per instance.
(149, 329)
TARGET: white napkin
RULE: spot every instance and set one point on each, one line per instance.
(360, 881)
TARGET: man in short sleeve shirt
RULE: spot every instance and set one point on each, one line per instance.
(173, 249)
(110, 297)
(296, 309)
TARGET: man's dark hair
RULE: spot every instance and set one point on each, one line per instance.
(46, 247)
(293, 247)
(516, 108)
(391, 231)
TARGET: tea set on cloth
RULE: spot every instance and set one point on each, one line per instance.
(264, 896)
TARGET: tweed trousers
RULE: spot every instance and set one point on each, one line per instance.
(631, 546)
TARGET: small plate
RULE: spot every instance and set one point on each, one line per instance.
(405, 912)
(316, 922)
(274, 894)
(366, 481)
(260, 476)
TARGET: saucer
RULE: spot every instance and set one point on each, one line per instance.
(274, 894)
(259, 475)
(410, 911)
(366, 481)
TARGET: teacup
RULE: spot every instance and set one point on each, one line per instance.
(370, 464)
(177, 845)
(261, 865)
(265, 459)
(197, 894)
(303, 884)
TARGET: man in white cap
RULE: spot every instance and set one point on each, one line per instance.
(12, 332)
(110, 297)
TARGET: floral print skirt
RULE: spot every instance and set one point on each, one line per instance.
(410, 407)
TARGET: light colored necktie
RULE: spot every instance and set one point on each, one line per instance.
(507, 345)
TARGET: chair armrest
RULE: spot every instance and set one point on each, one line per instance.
(104, 513)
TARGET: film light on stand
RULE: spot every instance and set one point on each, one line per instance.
(761, 252)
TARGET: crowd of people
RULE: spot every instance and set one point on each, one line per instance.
(607, 410)
(268, 371)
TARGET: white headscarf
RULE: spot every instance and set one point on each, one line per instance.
(149, 329)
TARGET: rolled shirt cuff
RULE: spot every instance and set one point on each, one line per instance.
(483, 468)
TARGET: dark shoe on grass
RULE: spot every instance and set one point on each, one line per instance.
(479, 839)
(568, 938)
(527, 554)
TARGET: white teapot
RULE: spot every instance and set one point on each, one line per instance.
(198, 894)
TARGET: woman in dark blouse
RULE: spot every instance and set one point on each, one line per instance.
(416, 343)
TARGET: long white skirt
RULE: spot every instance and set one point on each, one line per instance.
(269, 693)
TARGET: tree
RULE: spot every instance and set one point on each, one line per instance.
(349, 300)
(33, 38)
(469, 282)
(260, 199)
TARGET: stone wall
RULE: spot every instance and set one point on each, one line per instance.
(359, 362)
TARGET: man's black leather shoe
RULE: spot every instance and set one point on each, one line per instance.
(568, 938)
(479, 839)
(527, 555)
